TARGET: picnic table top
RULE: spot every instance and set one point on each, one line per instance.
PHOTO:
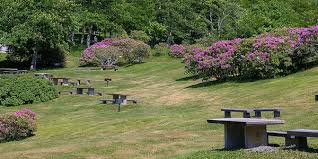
(108, 79)
(118, 94)
(247, 121)
(250, 110)
(84, 87)
(267, 109)
(60, 78)
(303, 132)
(41, 73)
(8, 69)
(237, 110)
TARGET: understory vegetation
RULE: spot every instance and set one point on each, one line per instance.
(18, 90)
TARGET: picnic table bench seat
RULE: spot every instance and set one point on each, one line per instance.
(132, 100)
(107, 100)
(296, 137)
(247, 112)
(104, 67)
(258, 112)
(70, 91)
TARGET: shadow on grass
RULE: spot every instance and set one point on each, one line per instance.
(309, 150)
(206, 84)
(194, 77)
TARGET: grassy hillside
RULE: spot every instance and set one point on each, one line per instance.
(169, 121)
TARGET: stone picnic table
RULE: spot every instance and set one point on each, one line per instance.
(11, 71)
(43, 75)
(119, 98)
(107, 81)
(65, 80)
(90, 90)
(245, 132)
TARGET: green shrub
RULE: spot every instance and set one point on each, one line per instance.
(160, 49)
(139, 35)
(18, 90)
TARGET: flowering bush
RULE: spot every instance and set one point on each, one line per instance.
(177, 50)
(126, 50)
(18, 90)
(264, 56)
(17, 126)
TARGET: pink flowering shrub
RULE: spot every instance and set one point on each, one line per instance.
(265, 56)
(18, 125)
(126, 51)
(177, 50)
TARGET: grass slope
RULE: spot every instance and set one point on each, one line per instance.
(169, 121)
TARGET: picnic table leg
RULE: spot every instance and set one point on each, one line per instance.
(276, 114)
(246, 115)
(299, 142)
(79, 91)
(65, 82)
(118, 108)
(55, 81)
(227, 114)
(91, 91)
(258, 114)
(255, 135)
(234, 136)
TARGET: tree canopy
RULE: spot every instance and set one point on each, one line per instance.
(51, 24)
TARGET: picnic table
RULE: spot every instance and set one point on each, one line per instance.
(43, 75)
(65, 81)
(247, 112)
(107, 80)
(245, 132)
(120, 99)
(90, 90)
(11, 71)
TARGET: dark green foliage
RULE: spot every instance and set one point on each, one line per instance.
(160, 49)
(139, 35)
(18, 90)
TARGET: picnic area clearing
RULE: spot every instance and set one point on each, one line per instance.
(169, 120)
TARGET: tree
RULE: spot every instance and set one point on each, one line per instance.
(35, 29)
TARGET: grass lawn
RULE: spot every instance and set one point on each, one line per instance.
(170, 119)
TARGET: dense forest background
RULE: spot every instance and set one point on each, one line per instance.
(49, 26)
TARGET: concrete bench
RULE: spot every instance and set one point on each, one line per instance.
(70, 91)
(288, 139)
(132, 100)
(104, 67)
(258, 112)
(299, 137)
(104, 101)
(246, 112)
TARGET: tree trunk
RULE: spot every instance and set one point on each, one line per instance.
(72, 38)
(211, 20)
(88, 39)
(34, 59)
(83, 34)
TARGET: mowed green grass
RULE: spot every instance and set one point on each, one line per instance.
(170, 119)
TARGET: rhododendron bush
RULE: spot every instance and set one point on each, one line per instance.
(177, 50)
(264, 56)
(124, 51)
(18, 125)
